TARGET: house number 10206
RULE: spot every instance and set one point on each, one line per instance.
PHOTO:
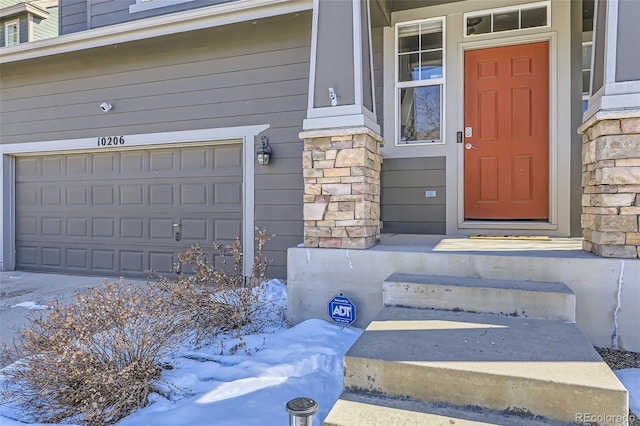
(111, 140)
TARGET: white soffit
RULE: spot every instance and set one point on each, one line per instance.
(194, 19)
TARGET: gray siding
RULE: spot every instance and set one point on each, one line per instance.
(73, 16)
(45, 28)
(108, 12)
(244, 74)
(628, 51)
(404, 207)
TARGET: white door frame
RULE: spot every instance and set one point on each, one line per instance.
(552, 224)
(244, 134)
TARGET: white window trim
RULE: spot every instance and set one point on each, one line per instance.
(518, 8)
(585, 95)
(184, 138)
(144, 5)
(7, 25)
(613, 94)
(419, 83)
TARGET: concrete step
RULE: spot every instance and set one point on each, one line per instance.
(541, 300)
(353, 409)
(545, 368)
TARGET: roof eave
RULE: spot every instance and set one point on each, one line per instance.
(21, 8)
(190, 20)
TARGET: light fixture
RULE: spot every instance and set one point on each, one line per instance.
(105, 106)
(264, 152)
(333, 97)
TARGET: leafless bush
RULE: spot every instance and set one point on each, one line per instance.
(96, 360)
(216, 296)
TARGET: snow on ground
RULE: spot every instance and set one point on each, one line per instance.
(248, 381)
(30, 305)
(252, 386)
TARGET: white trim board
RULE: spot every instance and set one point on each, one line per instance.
(244, 134)
(144, 5)
(190, 20)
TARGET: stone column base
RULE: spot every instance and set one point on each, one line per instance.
(611, 183)
(341, 169)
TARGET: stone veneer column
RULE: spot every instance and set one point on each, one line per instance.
(341, 169)
(611, 183)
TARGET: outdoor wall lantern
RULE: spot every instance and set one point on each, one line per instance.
(264, 152)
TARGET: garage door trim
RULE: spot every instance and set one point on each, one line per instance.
(245, 134)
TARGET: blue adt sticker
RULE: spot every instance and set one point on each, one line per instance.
(342, 311)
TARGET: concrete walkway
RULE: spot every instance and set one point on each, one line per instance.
(24, 293)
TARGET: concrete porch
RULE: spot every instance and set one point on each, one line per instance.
(315, 275)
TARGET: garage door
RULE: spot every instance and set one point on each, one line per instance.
(121, 213)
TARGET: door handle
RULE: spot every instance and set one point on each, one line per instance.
(176, 231)
(469, 145)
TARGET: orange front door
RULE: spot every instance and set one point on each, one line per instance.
(506, 111)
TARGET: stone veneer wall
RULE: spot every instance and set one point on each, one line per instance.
(611, 183)
(341, 169)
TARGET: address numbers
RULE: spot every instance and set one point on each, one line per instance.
(110, 140)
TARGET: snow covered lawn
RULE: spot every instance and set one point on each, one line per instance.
(248, 381)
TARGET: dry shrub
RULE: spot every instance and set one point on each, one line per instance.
(96, 360)
(216, 296)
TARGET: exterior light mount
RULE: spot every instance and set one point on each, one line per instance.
(264, 152)
(333, 97)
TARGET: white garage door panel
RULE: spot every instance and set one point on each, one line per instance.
(114, 212)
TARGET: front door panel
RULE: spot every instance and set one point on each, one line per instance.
(506, 160)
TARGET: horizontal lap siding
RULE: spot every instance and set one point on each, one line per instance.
(73, 16)
(245, 82)
(405, 209)
(109, 12)
(45, 28)
(244, 74)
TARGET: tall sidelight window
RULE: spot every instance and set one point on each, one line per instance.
(12, 33)
(419, 81)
